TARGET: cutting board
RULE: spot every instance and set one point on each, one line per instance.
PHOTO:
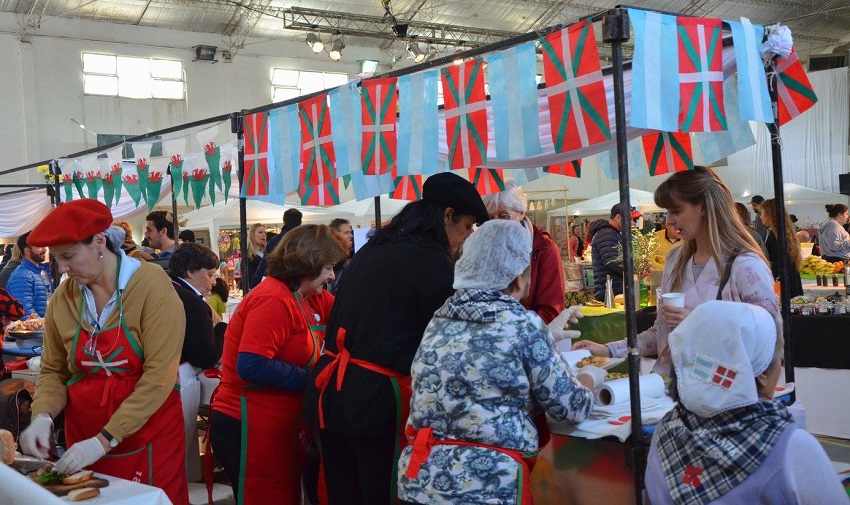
(60, 489)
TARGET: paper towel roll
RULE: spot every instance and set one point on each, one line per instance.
(617, 390)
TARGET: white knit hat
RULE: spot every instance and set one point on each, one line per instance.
(718, 351)
(496, 254)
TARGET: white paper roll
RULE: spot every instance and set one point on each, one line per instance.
(617, 391)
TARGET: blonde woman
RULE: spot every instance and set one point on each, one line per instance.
(256, 247)
(718, 260)
(794, 257)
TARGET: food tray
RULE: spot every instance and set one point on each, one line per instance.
(24, 335)
(573, 357)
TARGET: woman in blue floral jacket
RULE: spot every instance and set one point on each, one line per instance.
(485, 369)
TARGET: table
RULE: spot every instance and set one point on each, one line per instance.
(18, 489)
(12, 349)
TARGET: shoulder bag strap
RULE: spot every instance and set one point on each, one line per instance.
(727, 272)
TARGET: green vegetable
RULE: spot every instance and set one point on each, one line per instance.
(51, 477)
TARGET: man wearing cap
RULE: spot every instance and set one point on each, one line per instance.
(112, 339)
(30, 283)
(485, 375)
(358, 394)
(761, 228)
(606, 236)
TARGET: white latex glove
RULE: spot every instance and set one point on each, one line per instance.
(558, 325)
(36, 439)
(79, 456)
(596, 374)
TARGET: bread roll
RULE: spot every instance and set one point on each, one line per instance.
(78, 477)
(84, 493)
(7, 447)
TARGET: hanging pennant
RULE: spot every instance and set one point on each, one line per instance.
(176, 173)
(795, 94)
(185, 187)
(317, 151)
(407, 187)
(487, 180)
(716, 145)
(156, 172)
(578, 107)
(226, 174)
(570, 169)
(524, 175)
(370, 186)
(255, 180)
(700, 75)
(198, 180)
(130, 178)
(465, 114)
(212, 153)
(754, 99)
(326, 193)
(668, 152)
(347, 132)
(142, 152)
(655, 70)
(114, 157)
(418, 142)
(80, 167)
(108, 189)
(513, 96)
(379, 105)
(284, 150)
(66, 169)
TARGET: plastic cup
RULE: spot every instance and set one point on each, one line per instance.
(673, 299)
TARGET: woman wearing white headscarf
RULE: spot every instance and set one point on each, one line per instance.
(728, 441)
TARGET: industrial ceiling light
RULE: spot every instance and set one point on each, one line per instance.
(368, 66)
(415, 51)
(430, 56)
(336, 50)
(205, 53)
(400, 30)
(315, 43)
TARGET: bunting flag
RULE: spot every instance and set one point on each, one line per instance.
(68, 180)
(212, 154)
(795, 94)
(578, 107)
(108, 188)
(186, 187)
(326, 193)
(379, 105)
(369, 186)
(637, 162)
(418, 143)
(176, 173)
(226, 176)
(130, 178)
(93, 183)
(80, 167)
(407, 187)
(668, 152)
(156, 171)
(716, 145)
(284, 150)
(487, 180)
(175, 150)
(700, 75)
(465, 114)
(524, 175)
(255, 180)
(117, 172)
(142, 152)
(114, 157)
(754, 99)
(655, 70)
(570, 169)
(513, 96)
(347, 131)
(317, 151)
(198, 181)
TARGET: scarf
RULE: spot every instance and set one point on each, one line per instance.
(705, 458)
(478, 305)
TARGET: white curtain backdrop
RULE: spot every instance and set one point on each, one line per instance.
(21, 212)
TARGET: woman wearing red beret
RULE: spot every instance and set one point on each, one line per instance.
(112, 340)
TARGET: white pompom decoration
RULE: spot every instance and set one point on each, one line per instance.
(779, 42)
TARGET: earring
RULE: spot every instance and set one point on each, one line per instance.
(100, 255)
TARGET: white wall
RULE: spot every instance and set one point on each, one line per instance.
(41, 84)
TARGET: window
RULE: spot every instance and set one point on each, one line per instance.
(288, 84)
(110, 75)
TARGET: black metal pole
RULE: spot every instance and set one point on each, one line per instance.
(236, 120)
(779, 219)
(56, 173)
(377, 212)
(176, 223)
(615, 30)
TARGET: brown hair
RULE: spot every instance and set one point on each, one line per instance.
(304, 251)
(833, 209)
(727, 235)
(768, 210)
(128, 229)
(743, 213)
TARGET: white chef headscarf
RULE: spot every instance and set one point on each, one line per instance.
(718, 351)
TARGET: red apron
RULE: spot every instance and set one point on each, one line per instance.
(111, 363)
(423, 440)
(401, 386)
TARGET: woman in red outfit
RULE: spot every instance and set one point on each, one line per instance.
(273, 339)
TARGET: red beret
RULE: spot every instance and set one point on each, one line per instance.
(70, 223)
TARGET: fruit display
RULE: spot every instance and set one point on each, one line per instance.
(817, 265)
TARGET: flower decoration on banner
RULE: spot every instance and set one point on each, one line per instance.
(465, 114)
(256, 172)
(487, 180)
(142, 171)
(212, 153)
(154, 188)
(778, 42)
(68, 179)
(176, 173)
(668, 152)
(108, 189)
(407, 187)
(117, 181)
(700, 75)
(379, 104)
(227, 170)
(185, 188)
(200, 178)
(577, 102)
(570, 169)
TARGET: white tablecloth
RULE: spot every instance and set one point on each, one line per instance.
(17, 489)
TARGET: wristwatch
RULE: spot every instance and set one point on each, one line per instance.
(112, 441)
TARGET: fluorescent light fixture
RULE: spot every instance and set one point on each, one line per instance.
(315, 43)
(416, 52)
(336, 50)
(368, 66)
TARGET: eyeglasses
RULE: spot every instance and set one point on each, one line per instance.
(506, 214)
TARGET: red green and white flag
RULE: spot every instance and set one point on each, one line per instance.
(255, 180)
(176, 173)
(379, 104)
(156, 171)
(465, 113)
(198, 179)
(93, 183)
(326, 193)
(317, 150)
(407, 187)
(130, 179)
(68, 182)
(142, 152)
(794, 91)
(226, 173)
(570, 168)
(114, 157)
(487, 180)
(212, 152)
(185, 185)
(700, 75)
(668, 152)
(578, 107)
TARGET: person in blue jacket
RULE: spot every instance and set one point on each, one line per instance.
(30, 283)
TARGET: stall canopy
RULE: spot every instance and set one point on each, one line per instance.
(796, 194)
(364, 210)
(642, 200)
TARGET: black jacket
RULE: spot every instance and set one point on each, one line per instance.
(604, 249)
(260, 272)
(795, 284)
(201, 345)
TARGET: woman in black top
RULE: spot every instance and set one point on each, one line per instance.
(793, 258)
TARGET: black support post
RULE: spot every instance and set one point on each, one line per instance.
(236, 120)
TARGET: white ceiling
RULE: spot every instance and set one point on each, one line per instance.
(817, 25)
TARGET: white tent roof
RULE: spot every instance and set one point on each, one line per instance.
(797, 194)
(601, 205)
(364, 210)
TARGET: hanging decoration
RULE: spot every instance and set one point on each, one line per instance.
(318, 185)
(379, 105)
(80, 165)
(130, 178)
(487, 180)
(417, 123)
(156, 172)
(284, 150)
(186, 185)
(68, 179)
(142, 152)
(175, 150)
(465, 114)
(795, 94)
(369, 186)
(753, 97)
(578, 107)
(226, 174)
(570, 168)
(212, 154)
(513, 97)
(347, 132)
(668, 152)
(407, 187)
(700, 75)
(176, 168)
(655, 70)
(256, 172)
(108, 165)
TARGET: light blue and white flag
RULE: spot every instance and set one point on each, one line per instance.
(524, 175)
(346, 128)
(638, 169)
(753, 97)
(513, 96)
(284, 159)
(655, 72)
(370, 186)
(417, 147)
(716, 145)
